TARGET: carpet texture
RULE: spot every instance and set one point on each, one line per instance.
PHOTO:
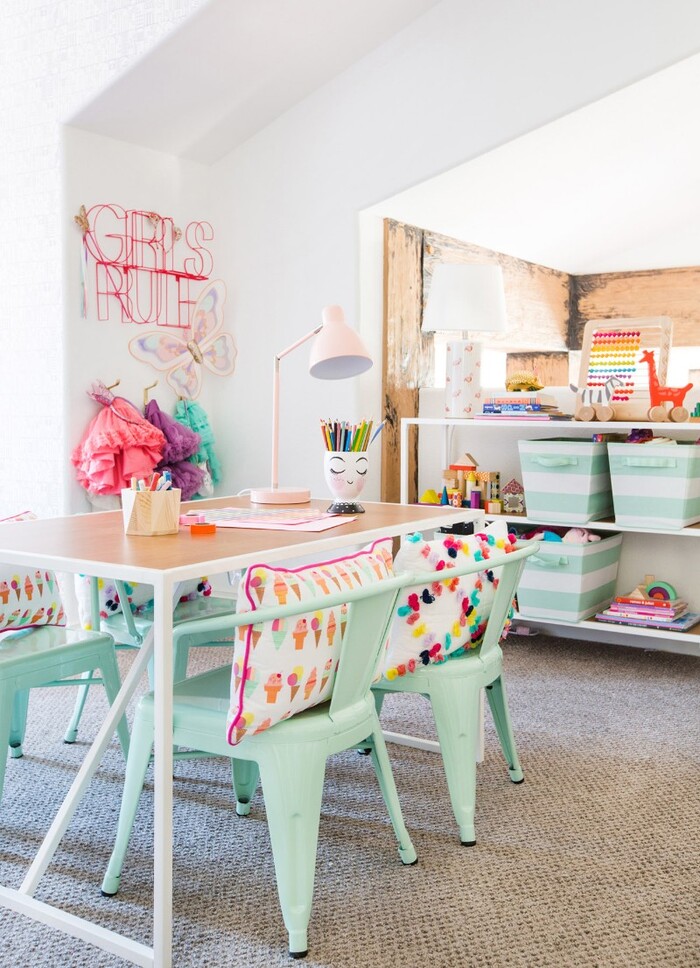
(593, 862)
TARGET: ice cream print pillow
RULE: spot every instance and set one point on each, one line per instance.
(447, 617)
(28, 596)
(288, 665)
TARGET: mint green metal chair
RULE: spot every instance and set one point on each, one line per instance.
(453, 689)
(129, 629)
(290, 757)
(47, 656)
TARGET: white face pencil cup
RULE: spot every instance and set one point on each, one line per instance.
(345, 473)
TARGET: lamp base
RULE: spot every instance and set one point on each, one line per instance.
(463, 379)
(280, 495)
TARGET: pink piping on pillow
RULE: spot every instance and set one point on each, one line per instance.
(249, 629)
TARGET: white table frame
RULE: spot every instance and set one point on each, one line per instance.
(34, 543)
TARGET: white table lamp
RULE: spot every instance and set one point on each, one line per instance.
(337, 353)
(471, 298)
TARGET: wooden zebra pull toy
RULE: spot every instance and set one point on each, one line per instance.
(594, 402)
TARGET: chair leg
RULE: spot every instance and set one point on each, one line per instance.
(6, 704)
(382, 767)
(71, 733)
(18, 725)
(455, 705)
(136, 766)
(498, 703)
(245, 775)
(112, 683)
(379, 696)
(180, 657)
(292, 782)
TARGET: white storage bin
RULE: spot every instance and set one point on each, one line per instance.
(655, 485)
(568, 582)
(566, 480)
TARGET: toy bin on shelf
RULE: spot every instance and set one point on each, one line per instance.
(569, 582)
(566, 480)
(655, 485)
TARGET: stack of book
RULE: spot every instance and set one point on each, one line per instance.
(522, 406)
(652, 613)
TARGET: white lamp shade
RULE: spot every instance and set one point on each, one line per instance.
(337, 352)
(465, 297)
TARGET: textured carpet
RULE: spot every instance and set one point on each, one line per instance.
(593, 862)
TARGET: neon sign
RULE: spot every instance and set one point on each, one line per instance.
(144, 266)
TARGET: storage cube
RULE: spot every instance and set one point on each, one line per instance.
(566, 480)
(655, 485)
(569, 582)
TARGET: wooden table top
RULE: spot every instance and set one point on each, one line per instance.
(95, 543)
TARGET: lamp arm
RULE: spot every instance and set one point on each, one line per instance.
(276, 402)
(299, 342)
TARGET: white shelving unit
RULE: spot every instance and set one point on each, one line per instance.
(667, 553)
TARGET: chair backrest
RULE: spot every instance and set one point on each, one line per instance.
(363, 616)
(29, 597)
(370, 610)
(290, 664)
(446, 612)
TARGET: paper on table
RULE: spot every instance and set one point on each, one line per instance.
(321, 524)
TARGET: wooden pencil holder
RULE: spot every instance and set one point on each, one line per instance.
(151, 512)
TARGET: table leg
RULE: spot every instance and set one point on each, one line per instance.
(163, 774)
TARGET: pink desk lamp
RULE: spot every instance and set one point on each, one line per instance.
(337, 353)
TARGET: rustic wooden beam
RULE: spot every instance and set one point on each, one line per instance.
(630, 295)
(408, 354)
(551, 368)
(537, 297)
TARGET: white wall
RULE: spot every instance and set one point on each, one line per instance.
(101, 170)
(454, 84)
(53, 56)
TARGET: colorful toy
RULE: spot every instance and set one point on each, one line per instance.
(661, 591)
(595, 401)
(523, 380)
(513, 495)
(612, 382)
(651, 588)
(660, 395)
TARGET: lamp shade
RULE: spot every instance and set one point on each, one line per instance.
(337, 352)
(465, 297)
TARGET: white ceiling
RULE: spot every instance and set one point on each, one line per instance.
(614, 186)
(235, 66)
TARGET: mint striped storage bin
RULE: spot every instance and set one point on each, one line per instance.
(655, 485)
(566, 480)
(569, 582)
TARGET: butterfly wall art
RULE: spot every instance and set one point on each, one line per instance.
(203, 345)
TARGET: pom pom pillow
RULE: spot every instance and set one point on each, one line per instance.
(28, 596)
(140, 596)
(447, 617)
(288, 665)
